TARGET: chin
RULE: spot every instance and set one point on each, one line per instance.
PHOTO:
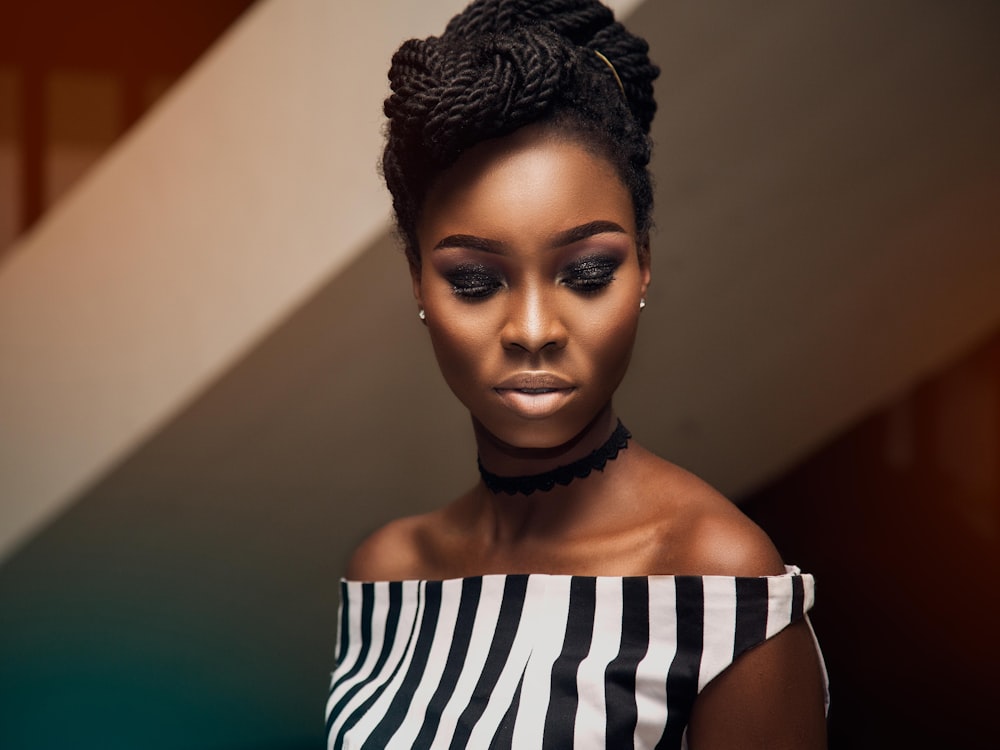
(550, 433)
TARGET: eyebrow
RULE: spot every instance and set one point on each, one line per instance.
(560, 239)
(582, 232)
(471, 242)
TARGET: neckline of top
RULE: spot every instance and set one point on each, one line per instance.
(790, 571)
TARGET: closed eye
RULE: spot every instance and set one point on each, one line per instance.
(590, 274)
(473, 281)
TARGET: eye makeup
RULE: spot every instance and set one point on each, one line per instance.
(588, 275)
(473, 280)
(591, 273)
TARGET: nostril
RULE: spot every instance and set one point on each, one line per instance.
(534, 322)
(534, 339)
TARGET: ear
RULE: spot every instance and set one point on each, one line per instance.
(415, 281)
(645, 267)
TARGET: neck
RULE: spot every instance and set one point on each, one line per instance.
(504, 459)
(513, 518)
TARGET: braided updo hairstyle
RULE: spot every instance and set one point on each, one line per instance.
(504, 64)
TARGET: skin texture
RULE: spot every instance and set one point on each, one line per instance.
(531, 276)
(548, 231)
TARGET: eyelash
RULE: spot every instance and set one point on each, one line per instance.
(473, 281)
(586, 276)
(591, 274)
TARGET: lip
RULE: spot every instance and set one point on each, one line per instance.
(535, 394)
(534, 380)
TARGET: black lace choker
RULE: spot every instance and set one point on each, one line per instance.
(563, 475)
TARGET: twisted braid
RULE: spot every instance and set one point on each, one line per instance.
(504, 64)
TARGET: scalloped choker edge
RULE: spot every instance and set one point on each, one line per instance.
(562, 475)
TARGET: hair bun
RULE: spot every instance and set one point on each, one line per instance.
(504, 64)
(575, 20)
(449, 91)
(581, 23)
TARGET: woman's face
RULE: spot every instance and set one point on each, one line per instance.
(531, 282)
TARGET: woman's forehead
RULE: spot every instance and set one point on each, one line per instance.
(527, 180)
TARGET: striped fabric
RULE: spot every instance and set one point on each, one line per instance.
(542, 661)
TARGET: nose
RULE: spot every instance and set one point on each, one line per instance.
(533, 322)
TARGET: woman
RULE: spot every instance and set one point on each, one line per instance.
(585, 593)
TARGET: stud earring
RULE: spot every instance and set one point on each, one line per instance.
(422, 315)
(642, 303)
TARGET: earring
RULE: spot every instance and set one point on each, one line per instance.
(642, 303)
(422, 315)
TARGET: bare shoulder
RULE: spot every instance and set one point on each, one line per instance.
(422, 546)
(391, 553)
(707, 533)
(772, 696)
(724, 541)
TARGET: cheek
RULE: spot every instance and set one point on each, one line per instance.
(607, 338)
(453, 335)
(459, 346)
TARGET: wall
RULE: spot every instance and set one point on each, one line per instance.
(213, 383)
(240, 195)
(899, 519)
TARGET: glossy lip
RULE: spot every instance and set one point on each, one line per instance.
(527, 381)
(535, 394)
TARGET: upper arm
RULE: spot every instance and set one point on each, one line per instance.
(772, 697)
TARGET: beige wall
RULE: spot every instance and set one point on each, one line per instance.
(252, 183)
(246, 189)
(800, 273)
(213, 383)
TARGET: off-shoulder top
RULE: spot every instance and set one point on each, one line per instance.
(543, 661)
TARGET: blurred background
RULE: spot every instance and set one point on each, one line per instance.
(213, 382)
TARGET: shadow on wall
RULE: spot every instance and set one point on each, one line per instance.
(75, 76)
(899, 519)
(188, 599)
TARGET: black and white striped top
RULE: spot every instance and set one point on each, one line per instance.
(543, 661)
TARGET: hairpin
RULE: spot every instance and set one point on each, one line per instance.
(614, 72)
